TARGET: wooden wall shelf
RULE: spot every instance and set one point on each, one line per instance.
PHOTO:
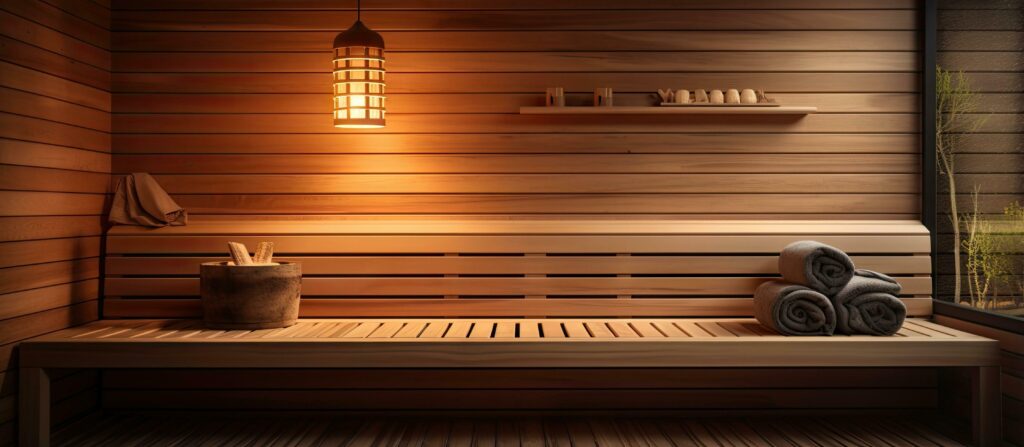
(655, 110)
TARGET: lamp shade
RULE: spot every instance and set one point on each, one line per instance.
(359, 78)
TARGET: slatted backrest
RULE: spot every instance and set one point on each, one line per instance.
(506, 268)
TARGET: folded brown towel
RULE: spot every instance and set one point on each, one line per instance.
(139, 200)
(793, 309)
(821, 267)
(869, 304)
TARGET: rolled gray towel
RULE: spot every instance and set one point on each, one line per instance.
(869, 304)
(821, 267)
(793, 309)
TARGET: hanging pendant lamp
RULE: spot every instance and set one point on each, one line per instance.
(358, 77)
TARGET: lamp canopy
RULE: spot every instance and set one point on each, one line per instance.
(359, 78)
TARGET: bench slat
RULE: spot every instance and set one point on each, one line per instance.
(674, 243)
(208, 226)
(569, 342)
(739, 265)
(484, 268)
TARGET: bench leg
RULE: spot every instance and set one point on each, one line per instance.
(33, 407)
(986, 403)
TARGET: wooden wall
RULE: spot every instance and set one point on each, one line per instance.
(228, 103)
(54, 175)
(985, 39)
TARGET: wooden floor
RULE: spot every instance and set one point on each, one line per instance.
(163, 430)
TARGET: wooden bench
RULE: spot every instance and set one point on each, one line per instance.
(399, 289)
(500, 343)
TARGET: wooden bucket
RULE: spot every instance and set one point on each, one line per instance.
(250, 296)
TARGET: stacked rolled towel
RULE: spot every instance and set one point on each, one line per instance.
(821, 267)
(793, 309)
(821, 292)
(869, 305)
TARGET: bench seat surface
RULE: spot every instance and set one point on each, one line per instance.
(593, 342)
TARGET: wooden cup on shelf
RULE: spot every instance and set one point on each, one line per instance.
(554, 97)
(732, 96)
(747, 96)
(603, 97)
(682, 96)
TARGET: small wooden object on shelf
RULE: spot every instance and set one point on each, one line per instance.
(732, 96)
(747, 96)
(678, 102)
(603, 97)
(682, 96)
(554, 97)
(674, 109)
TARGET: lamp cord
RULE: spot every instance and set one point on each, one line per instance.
(359, 9)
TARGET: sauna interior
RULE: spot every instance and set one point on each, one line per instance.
(511, 222)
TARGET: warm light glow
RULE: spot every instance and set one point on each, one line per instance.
(359, 87)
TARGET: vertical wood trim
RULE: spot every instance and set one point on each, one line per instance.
(34, 407)
(986, 405)
(929, 22)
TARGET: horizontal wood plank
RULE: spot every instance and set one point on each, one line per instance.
(26, 277)
(514, 20)
(320, 5)
(489, 123)
(583, 40)
(24, 178)
(13, 254)
(514, 244)
(510, 265)
(498, 102)
(26, 153)
(516, 143)
(635, 82)
(534, 183)
(564, 203)
(469, 307)
(29, 203)
(528, 163)
(517, 62)
(736, 285)
(46, 298)
(94, 346)
(27, 79)
(24, 228)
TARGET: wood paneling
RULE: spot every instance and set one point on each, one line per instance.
(503, 62)
(492, 102)
(55, 149)
(322, 5)
(193, 85)
(227, 103)
(489, 40)
(532, 83)
(783, 143)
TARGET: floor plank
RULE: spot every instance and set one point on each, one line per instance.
(221, 429)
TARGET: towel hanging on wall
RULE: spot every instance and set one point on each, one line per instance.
(139, 200)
